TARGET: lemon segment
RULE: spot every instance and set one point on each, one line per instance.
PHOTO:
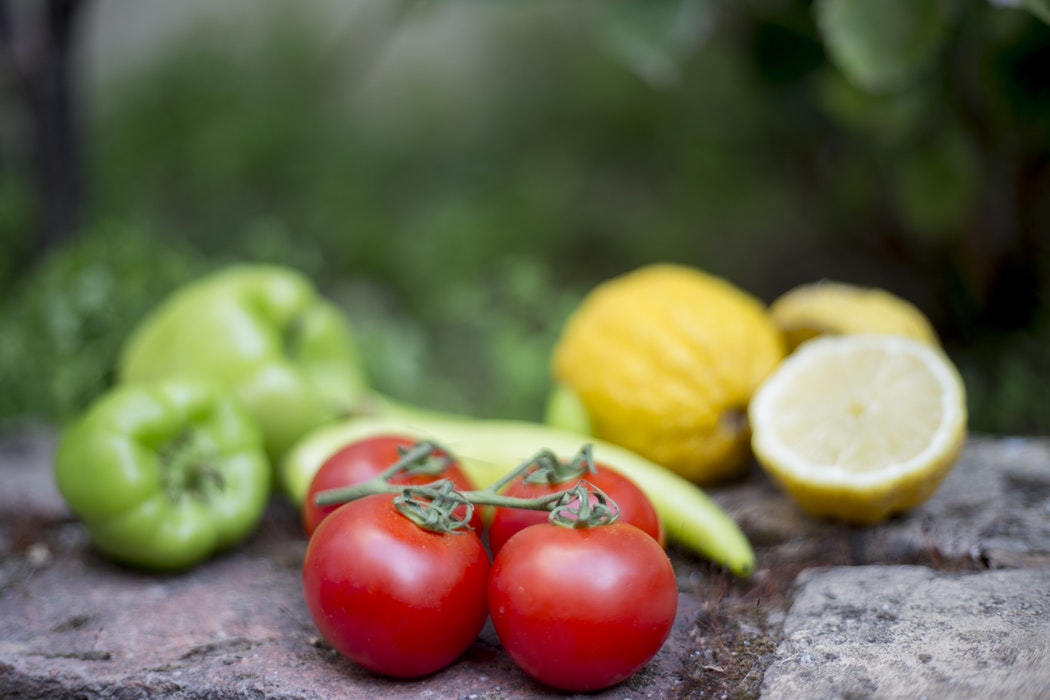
(664, 360)
(837, 308)
(859, 427)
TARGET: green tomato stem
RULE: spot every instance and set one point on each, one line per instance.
(424, 458)
(432, 506)
(482, 497)
(553, 471)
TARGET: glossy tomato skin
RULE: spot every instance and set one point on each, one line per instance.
(390, 596)
(367, 458)
(582, 609)
(635, 507)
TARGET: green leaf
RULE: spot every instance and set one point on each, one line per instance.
(1039, 8)
(888, 119)
(882, 45)
(653, 37)
(935, 184)
(64, 324)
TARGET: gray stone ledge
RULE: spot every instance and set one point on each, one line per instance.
(909, 631)
(949, 600)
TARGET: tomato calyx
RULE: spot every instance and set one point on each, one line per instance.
(577, 510)
(433, 507)
(425, 459)
(572, 507)
(552, 470)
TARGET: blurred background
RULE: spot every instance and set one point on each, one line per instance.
(458, 174)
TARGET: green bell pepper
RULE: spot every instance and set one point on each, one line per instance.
(263, 332)
(164, 475)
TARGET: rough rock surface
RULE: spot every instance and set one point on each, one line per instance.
(951, 600)
(992, 511)
(73, 625)
(944, 635)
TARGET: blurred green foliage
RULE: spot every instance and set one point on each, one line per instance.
(64, 324)
(458, 221)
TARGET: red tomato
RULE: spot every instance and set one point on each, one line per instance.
(364, 459)
(582, 609)
(635, 507)
(390, 596)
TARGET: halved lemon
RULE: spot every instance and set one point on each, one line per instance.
(860, 427)
(838, 308)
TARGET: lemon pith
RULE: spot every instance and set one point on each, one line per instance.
(665, 359)
(860, 427)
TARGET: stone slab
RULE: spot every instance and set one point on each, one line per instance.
(29, 490)
(991, 511)
(235, 628)
(73, 625)
(910, 631)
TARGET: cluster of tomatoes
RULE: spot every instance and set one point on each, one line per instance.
(576, 608)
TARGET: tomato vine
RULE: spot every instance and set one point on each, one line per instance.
(437, 506)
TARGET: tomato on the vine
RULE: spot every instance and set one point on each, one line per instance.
(582, 609)
(364, 459)
(391, 596)
(634, 506)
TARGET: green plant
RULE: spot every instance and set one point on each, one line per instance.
(457, 208)
(66, 318)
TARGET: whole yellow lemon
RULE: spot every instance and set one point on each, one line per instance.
(665, 359)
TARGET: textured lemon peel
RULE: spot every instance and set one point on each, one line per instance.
(665, 359)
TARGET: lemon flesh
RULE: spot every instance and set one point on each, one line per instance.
(837, 308)
(665, 359)
(859, 427)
